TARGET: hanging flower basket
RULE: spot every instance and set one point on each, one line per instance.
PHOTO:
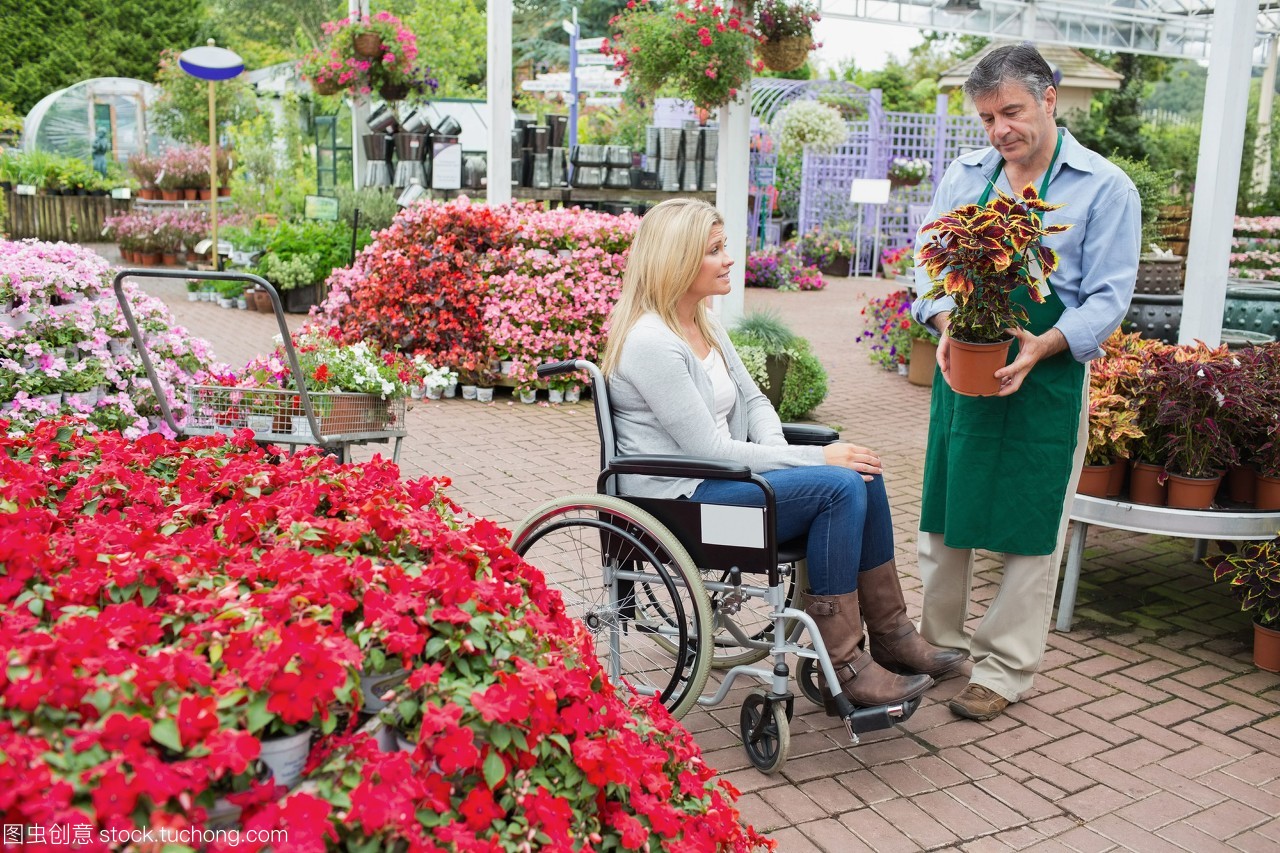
(895, 183)
(326, 86)
(393, 91)
(785, 54)
(368, 45)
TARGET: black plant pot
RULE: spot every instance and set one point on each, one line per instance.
(1157, 316)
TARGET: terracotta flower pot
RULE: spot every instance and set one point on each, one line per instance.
(205, 193)
(170, 259)
(1241, 483)
(973, 367)
(1119, 473)
(1266, 648)
(150, 259)
(191, 193)
(1094, 480)
(1145, 486)
(923, 362)
(1192, 492)
(171, 195)
(1267, 493)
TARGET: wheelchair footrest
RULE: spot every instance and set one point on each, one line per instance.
(861, 720)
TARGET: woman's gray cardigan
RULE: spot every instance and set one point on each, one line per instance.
(663, 402)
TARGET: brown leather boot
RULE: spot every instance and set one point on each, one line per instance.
(895, 643)
(863, 680)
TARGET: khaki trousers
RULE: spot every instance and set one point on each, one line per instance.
(1009, 643)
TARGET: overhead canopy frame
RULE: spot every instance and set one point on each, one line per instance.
(1168, 28)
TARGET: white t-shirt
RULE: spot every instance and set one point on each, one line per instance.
(722, 385)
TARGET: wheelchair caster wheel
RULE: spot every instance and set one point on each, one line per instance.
(809, 679)
(765, 732)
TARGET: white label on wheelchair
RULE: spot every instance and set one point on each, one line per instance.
(738, 526)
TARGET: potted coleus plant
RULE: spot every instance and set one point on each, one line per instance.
(1197, 452)
(979, 255)
(1112, 429)
(1253, 574)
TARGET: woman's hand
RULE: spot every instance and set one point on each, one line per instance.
(860, 459)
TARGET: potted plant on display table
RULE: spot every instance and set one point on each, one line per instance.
(1197, 452)
(1253, 574)
(787, 33)
(980, 255)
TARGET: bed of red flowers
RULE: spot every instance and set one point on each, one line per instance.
(167, 607)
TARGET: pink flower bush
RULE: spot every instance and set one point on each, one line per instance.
(63, 336)
(514, 283)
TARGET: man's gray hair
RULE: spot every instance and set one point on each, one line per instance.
(1014, 63)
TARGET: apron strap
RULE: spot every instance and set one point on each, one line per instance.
(1044, 184)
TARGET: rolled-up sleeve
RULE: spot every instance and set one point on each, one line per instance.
(943, 200)
(1109, 268)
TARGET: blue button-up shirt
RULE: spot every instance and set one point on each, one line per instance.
(1098, 257)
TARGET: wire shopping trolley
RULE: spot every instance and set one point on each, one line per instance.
(334, 420)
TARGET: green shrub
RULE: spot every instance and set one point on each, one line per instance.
(1153, 194)
(758, 336)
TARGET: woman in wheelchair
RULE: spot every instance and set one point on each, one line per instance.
(678, 387)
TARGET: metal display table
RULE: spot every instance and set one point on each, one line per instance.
(1200, 525)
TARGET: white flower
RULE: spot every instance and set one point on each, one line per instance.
(809, 123)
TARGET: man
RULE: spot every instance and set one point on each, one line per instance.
(1014, 459)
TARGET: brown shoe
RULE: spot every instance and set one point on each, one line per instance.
(976, 702)
(895, 643)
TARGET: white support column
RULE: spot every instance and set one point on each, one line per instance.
(733, 177)
(1262, 143)
(1226, 101)
(359, 111)
(499, 70)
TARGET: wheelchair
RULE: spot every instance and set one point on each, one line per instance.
(670, 589)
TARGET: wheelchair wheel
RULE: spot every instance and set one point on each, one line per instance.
(634, 587)
(809, 679)
(765, 732)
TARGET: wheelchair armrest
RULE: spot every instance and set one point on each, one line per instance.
(810, 434)
(679, 466)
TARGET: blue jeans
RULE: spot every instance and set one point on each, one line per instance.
(847, 519)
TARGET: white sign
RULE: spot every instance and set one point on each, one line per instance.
(614, 101)
(25, 189)
(594, 59)
(446, 166)
(121, 192)
(585, 45)
(869, 191)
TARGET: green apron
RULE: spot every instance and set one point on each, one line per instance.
(996, 468)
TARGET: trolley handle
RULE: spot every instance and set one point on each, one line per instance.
(117, 284)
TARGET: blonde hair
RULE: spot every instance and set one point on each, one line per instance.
(665, 258)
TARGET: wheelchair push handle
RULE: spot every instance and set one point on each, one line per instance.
(558, 368)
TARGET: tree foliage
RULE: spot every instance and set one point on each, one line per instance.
(182, 110)
(51, 44)
(457, 51)
(266, 32)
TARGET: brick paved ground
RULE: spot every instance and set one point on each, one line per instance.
(1149, 728)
